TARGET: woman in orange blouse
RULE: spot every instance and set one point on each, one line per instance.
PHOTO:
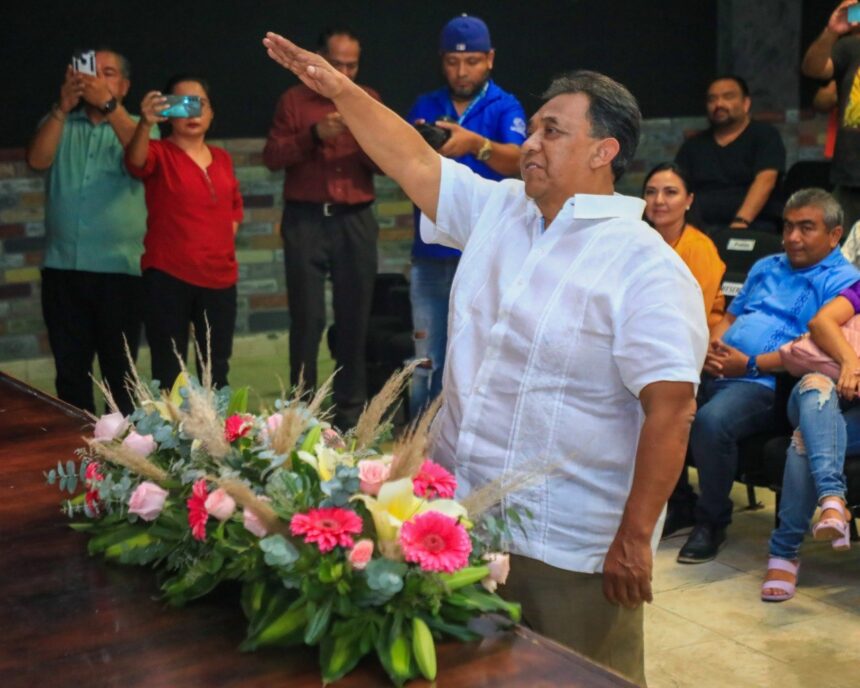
(667, 200)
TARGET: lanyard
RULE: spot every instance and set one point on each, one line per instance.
(472, 103)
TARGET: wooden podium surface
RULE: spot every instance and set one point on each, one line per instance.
(72, 620)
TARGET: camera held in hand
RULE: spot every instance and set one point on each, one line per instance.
(433, 135)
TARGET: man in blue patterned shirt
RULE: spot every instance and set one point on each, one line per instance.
(781, 294)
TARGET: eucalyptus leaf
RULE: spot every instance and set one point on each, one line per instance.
(278, 551)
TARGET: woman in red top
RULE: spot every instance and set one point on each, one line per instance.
(194, 210)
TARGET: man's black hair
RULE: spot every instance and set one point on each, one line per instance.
(739, 80)
(335, 30)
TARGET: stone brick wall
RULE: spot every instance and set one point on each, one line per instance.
(263, 303)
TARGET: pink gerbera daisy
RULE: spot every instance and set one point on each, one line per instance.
(434, 481)
(329, 527)
(92, 477)
(435, 542)
(197, 514)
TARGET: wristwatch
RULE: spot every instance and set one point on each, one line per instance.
(109, 106)
(752, 368)
(485, 151)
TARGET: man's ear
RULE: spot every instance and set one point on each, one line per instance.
(835, 236)
(605, 152)
(490, 57)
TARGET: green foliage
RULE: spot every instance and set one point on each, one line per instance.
(278, 551)
(341, 487)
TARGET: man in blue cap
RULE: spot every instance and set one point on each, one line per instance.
(487, 126)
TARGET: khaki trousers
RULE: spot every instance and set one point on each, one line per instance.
(570, 608)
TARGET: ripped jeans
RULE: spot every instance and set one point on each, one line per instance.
(429, 291)
(826, 431)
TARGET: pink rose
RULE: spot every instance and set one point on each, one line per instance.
(273, 422)
(332, 440)
(109, 427)
(252, 523)
(500, 566)
(359, 556)
(147, 501)
(142, 445)
(220, 505)
(371, 474)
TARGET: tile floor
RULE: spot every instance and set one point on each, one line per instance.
(707, 626)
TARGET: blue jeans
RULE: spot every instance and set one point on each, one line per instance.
(813, 464)
(429, 291)
(729, 411)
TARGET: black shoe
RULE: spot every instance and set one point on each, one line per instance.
(678, 518)
(702, 545)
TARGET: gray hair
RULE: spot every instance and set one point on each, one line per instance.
(613, 111)
(124, 64)
(818, 198)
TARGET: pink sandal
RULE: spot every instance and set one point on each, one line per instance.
(836, 530)
(787, 588)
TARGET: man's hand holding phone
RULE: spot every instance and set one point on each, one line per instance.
(71, 91)
(330, 126)
(845, 17)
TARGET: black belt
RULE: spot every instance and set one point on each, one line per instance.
(329, 209)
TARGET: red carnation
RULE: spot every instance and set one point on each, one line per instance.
(434, 481)
(329, 527)
(197, 514)
(237, 426)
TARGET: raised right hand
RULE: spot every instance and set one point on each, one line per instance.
(152, 104)
(838, 23)
(71, 90)
(313, 69)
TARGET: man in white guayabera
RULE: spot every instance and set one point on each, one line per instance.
(576, 333)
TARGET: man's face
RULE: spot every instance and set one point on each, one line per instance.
(343, 54)
(466, 73)
(806, 238)
(557, 156)
(109, 68)
(726, 103)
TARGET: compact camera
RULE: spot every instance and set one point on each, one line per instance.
(433, 135)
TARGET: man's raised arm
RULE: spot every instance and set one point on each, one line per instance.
(395, 146)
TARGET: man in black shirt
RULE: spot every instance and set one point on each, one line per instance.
(735, 167)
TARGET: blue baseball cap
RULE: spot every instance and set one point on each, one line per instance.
(465, 34)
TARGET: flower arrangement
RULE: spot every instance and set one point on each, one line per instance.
(335, 544)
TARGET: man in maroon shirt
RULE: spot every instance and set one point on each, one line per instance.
(328, 227)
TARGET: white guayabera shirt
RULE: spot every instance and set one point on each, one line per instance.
(551, 337)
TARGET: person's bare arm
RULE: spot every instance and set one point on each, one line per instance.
(756, 197)
(43, 146)
(393, 144)
(138, 148)
(817, 62)
(825, 329)
(669, 411)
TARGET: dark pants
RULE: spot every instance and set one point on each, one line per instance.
(171, 305)
(343, 246)
(87, 314)
(729, 411)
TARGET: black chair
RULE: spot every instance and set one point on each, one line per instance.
(389, 336)
(807, 173)
(740, 249)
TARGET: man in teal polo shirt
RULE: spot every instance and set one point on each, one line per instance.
(95, 219)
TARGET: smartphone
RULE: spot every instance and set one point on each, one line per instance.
(182, 106)
(853, 13)
(84, 61)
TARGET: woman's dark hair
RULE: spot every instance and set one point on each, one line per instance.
(166, 127)
(667, 167)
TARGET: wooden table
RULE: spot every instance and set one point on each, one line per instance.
(67, 619)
